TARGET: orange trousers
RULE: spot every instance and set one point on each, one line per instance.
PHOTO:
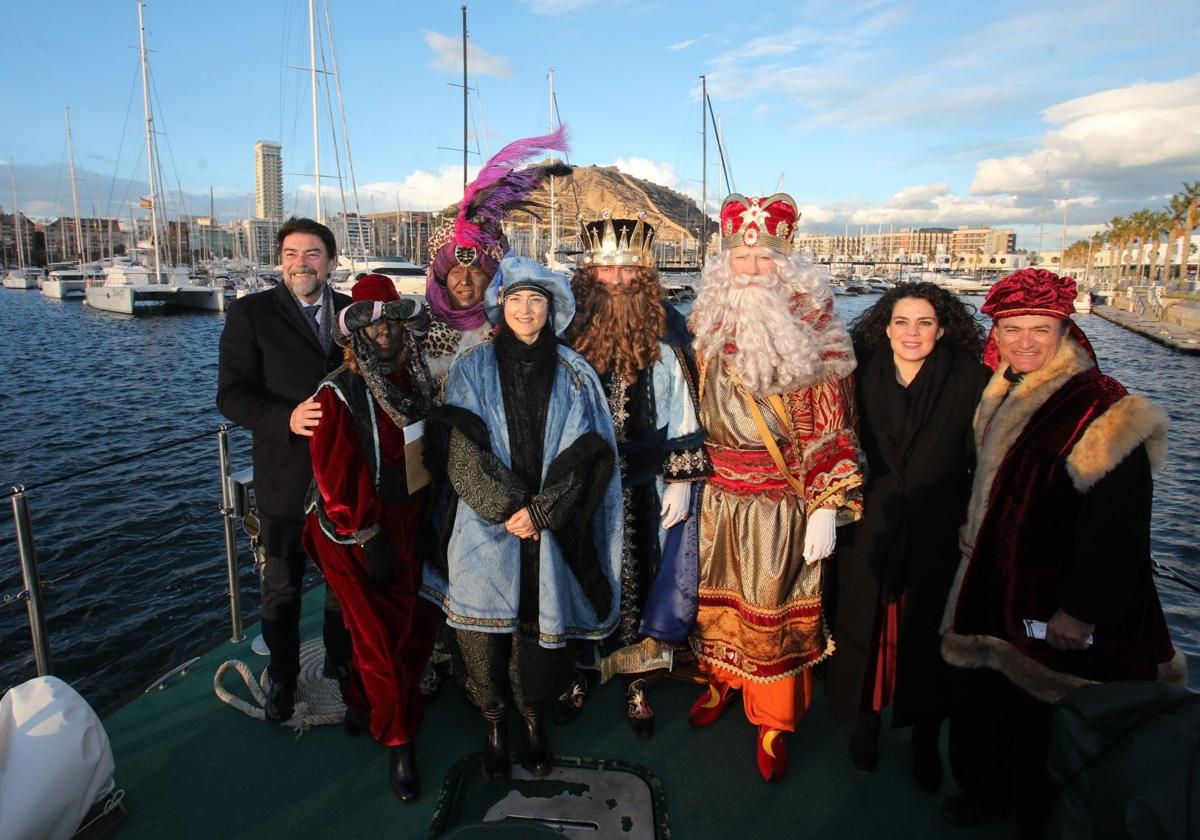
(777, 705)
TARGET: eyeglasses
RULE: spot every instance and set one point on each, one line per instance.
(536, 303)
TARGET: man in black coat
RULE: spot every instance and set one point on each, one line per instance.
(276, 347)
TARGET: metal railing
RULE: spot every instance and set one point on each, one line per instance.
(234, 504)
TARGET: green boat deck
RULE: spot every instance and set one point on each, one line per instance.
(192, 766)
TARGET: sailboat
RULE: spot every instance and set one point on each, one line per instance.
(128, 286)
(22, 277)
(69, 281)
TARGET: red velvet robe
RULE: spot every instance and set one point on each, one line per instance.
(391, 629)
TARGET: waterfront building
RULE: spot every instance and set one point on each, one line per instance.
(209, 240)
(355, 234)
(100, 237)
(254, 239)
(8, 238)
(268, 180)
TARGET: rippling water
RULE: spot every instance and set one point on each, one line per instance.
(134, 554)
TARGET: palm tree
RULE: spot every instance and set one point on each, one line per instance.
(1160, 223)
(1176, 211)
(1114, 237)
(1190, 196)
(1139, 224)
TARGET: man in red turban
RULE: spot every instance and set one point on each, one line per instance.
(1054, 589)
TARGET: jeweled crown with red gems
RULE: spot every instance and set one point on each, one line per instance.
(768, 222)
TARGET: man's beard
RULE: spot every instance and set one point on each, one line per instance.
(776, 351)
(304, 283)
(618, 330)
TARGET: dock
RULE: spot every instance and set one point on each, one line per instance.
(1185, 339)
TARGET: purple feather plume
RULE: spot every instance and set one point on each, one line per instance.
(499, 186)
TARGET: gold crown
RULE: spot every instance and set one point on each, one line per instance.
(610, 241)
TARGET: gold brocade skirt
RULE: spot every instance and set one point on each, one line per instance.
(760, 604)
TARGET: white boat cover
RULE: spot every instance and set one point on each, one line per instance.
(55, 760)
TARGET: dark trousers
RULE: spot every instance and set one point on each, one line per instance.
(282, 583)
(999, 736)
(498, 665)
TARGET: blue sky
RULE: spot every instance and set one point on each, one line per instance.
(870, 113)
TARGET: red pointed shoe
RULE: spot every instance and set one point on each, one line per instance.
(709, 706)
(772, 753)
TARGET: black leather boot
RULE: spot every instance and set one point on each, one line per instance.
(537, 745)
(926, 759)
(281, 702)
(864, 742)
(497, 766)
(402, 773)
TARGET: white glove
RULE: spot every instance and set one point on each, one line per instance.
(820, 535)
(676, 500)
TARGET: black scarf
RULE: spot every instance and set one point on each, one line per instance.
(897, 417)
(526, 380)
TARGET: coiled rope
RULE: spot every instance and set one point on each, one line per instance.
(318, 698)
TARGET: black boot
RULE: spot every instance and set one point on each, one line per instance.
(497, 767)
(281, 702)
(354, 723)
(864, 742)
(638, 710)
(402, 773)
(926, 759)
(537, 745)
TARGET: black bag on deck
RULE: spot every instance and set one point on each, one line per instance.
(1126, 759)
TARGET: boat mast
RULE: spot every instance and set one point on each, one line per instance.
(12, 169)
(312, 67)
(74, 191)
(150, 154)
(465, 93)
(703, 170)
(550, 258)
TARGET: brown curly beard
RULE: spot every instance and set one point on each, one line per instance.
(618, 331)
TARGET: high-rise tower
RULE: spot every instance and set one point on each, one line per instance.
(268, 180)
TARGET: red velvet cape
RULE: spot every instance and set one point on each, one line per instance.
(1024, 548)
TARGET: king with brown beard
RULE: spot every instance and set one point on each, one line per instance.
(639, 346)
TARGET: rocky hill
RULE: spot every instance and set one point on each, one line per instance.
(593, 189)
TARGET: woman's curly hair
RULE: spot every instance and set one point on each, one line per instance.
(963, 333)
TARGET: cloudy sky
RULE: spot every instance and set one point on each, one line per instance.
(870, 112)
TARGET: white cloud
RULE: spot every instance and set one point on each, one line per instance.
(1118, 136)
(419, 190)
(648, 170)
(682, 45)
(447, 56)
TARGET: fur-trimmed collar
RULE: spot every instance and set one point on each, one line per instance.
(1132, 421)
(1003, 411)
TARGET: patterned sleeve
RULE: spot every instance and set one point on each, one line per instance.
(824, 420)
(686, 459)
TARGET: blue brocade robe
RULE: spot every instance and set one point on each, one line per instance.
(480, 587)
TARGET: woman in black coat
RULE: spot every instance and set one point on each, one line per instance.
(919, 380)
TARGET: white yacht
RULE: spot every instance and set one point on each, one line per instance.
(69, 280)
(408, 277)
(22, 278)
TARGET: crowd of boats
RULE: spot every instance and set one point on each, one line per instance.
(127, 284)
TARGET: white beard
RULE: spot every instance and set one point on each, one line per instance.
(778, 350)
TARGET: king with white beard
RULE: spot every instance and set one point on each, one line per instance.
(776, 399)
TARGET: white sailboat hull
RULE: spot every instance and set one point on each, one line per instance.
(127, 299)
(17, 280)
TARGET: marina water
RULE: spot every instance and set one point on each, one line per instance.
(132, 555)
